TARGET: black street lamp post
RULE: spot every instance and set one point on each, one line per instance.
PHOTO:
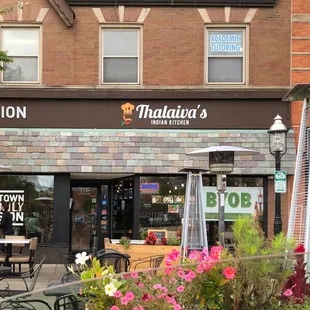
(277, 148)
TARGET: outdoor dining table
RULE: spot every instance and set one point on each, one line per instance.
(60, 289)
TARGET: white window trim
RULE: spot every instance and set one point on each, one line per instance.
(25, 26)
(228, 27)
(140, 49)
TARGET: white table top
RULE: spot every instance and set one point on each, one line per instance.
(14, 241)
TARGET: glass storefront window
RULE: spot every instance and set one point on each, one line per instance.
(161, 204)
(31, 201)
(243, 196)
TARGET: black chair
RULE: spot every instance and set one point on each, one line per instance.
(32, 273)
(30, 304)
(152, 262)
(72, 302)
(119, 261)
(105, 251)
(69, 277)
(68, 260)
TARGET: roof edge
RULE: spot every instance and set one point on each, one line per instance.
(64, 11)
(104, 93)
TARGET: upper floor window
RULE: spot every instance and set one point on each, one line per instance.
(22, 45)
(225, 56)
(120, 56)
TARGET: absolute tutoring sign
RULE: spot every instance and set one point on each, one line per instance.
(15, 199)
(238, 201)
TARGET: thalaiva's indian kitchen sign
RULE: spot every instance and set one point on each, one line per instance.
(140, 114)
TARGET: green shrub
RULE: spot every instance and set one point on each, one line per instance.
(260, 279)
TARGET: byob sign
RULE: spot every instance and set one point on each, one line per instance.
(238, 201)
(280, 181)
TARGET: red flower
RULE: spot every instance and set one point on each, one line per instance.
(300, 249)
(164, 241)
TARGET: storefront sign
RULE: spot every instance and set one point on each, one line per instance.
(238, 201)
(225, 42)
(15, 199)
(13, 112)
(149, 187)
(141, 114)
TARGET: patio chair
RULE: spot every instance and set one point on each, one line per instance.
(152, 262)
(105, 251)
(68, 260)
(24, 259)
(32, 273)
(72, 302)
(119, 261)
(29, 304)
(69, 277)
(19, 246)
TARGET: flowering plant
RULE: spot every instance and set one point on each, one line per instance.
(125, 241)
(164, 241)
(178, 286)
(151, 239)
(296, 287)
(99, 285)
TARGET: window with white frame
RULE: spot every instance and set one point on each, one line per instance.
(22, 45)
(120, 55)
(225, 56)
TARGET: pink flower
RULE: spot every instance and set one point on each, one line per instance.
(181, 273)
(194, 255)
(147, 297)
(161, 296)
(168, 270)
(229, 272)
(177, 307)
(172, 257)
(134, 275)
(199, 269)
(187, 278)
(172, 281)
(207, 263)
(118, 294)
(205, 251)
(141, 285)
(156, 286)
(192, 274)
(130, 296)
(180, 289)
(114, 308)
(139, 307)
(124, 301)
(288, 293)
(216, 252)
(165, 290)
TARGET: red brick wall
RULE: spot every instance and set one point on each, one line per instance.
(173, 44)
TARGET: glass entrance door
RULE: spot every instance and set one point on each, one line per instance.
(84, 218)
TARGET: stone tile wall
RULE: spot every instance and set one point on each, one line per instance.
(141, 151)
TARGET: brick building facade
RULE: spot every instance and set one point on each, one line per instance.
(87, 120)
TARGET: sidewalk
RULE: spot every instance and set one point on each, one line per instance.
(50, 273)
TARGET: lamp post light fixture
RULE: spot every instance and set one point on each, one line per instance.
(194, 232)
(221, 162)
(277, 148)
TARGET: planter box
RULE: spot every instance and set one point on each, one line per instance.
(137, 252)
